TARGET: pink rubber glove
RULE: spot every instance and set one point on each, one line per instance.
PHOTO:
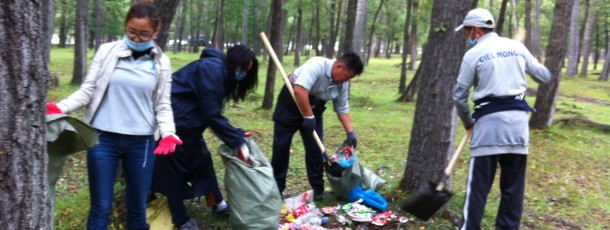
(53, 109)
(167, 145)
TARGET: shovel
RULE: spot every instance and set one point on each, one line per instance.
(279, 66)
(430, 197)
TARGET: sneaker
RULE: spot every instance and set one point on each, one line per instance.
(189, 225)
(222, 208)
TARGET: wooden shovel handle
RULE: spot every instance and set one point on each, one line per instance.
(278, 64)
(458, 150)
(454, 158)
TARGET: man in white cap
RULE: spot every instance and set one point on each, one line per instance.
(496, 68)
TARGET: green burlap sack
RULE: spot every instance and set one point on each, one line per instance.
(65, 135)
(251, 189)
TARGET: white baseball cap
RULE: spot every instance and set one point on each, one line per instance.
(478, 17)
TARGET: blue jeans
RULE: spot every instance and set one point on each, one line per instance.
(136, 156)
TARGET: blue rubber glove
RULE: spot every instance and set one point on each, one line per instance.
(309, 122)
(351, 139)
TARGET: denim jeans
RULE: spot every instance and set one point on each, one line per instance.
(137, 159)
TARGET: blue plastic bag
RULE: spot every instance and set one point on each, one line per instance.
(369, 198)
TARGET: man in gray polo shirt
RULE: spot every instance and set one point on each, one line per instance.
(496, 68)
(315, 82)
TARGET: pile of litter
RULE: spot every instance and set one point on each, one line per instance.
(300, 213)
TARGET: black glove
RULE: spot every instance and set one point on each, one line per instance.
(309, 122)
(351, 139)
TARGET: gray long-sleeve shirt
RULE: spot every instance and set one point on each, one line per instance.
(496, 67)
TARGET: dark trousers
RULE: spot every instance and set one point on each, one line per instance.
(178, 210)
(282, 139)
(512, 185)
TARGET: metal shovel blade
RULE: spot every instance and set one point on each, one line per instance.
(426, 201)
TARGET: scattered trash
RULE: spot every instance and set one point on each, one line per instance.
(382, 218)
(358, 212)
(300, 213)
(339, 161)
(330, 210)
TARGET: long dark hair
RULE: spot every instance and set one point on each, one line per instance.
(240, 56)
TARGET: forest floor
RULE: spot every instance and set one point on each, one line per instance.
(568, 176)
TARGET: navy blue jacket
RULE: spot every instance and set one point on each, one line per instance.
(198, 93)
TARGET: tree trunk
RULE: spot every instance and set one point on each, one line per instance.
(514, 18)
(277, 17)
(24, 197)
(389, 47)
(359, 29)
(193, 46)
(48, 15)
(555, 54)
(217, 39)
(63, 27)
(97, 23)
(297, 39)
(588, 37)
(334, 28)
(179, 35)
(432, 136)
(372, 33)
(261, 14)
(408, 95)
(535, 47)
(402, 84)
(606, 68)
(80, 43)
(501, 18)
(528, 24)
(313, 24)
(413, 36)
(244, 24)
(348, 41)
(167, 10)
(317, 38)
(596, 51)
(573, 48)
(289, 45)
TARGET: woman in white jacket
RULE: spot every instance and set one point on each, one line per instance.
(127, 92)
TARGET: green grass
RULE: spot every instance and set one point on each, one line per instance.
(567, 172)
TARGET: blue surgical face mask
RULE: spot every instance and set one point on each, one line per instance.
(138, 46)
(472, 42)
(240, 74)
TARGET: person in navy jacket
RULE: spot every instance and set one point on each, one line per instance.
(199, 91)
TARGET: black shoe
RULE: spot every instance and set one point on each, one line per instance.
(189, 225)
(318, 196)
